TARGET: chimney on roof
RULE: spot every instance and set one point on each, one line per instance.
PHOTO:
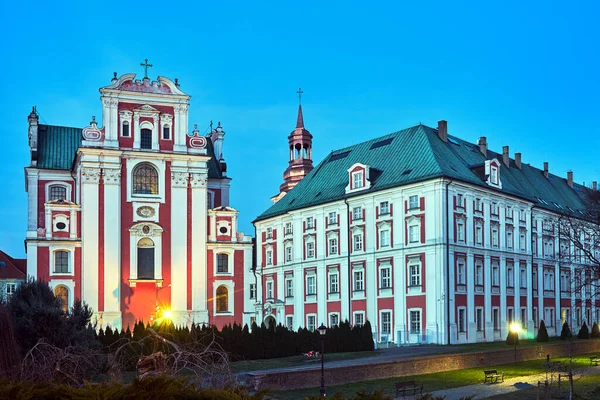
(443, 130)
(518, 160)
(482, 142)
(570, 179)
(594, 186)
(505, 157)
(546, 169)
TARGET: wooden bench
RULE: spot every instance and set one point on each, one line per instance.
(403, 387)
(594, 360)
(492, 375)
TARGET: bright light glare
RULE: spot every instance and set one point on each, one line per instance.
(167, 314)
(515, 327)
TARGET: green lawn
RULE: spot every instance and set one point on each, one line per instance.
(294, 361)
(435, 381)
(586, 388)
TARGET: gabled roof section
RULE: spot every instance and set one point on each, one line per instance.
(12, 268)
(57, 146)
(417, 154)
(128, 83)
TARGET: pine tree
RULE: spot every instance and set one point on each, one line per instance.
(584, 332)
(512, 338)
(542, 335)
(565, 333)
(595, 330)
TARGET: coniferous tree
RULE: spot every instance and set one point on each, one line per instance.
(565, 333)
(542, 335)
(512, 338)
(595, 331)
(584, 332)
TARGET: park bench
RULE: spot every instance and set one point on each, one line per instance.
(311, 355)
(492, 375)
(408, 386)
(594, 360)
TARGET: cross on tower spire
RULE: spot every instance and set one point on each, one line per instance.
(299, 92)
(145, 65)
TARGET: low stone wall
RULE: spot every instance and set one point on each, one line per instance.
(289, 380)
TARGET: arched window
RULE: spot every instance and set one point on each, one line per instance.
(58, 192)
(222, 263)
(61, 292)
(145, 259)
(145, 180)
(145, 139)
(61, 262)
(222, 299)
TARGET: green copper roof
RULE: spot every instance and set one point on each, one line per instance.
(417, 154)
(57, 146)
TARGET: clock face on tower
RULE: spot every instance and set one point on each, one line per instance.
(145, 212)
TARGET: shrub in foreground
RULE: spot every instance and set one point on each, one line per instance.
(595, 330)
(584, 332)
(542, 335)
(565, 333)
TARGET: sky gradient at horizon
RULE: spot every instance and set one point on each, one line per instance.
(523, 74)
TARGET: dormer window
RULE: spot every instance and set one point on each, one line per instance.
(358, 176)
(357, 179)
(492, 172)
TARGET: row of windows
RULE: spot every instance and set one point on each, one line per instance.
(494, 208)
(125, 132)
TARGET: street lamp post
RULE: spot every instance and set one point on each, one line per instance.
(515, 328)
(322, 331)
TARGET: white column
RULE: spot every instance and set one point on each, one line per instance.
(234, 228)
(32, 203)
(199, 271)
(487, 290)
(503, 313)
(558, 324)
(32, 265)
(48, 221)
(112, 245)
(155, 132)
(179, 217)
(471, 325)
(135, 130)
(73, 224)
(90, 178)
(530, 318)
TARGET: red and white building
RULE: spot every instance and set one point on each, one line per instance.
(430, 238)
(133, 217)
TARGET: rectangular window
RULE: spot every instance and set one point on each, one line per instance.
(358, 242)
(288, 254)
(548, 279)
(269, 289)
(413, 202)
(461, 275)
(462, 323)
(478, 205)
(509, 213)
(334, 320)
(359, 319)
(288, 228)
(384, 238)
(146, 139)
(478, 235)
(386, 322)
(415, 321)
(359, 281)
(269, 233)
(479, 319)
(510, 315)
(384, 208)
(125, 129)
(534, 278)
(269, 257)
(222, 263)
(385, 274)
(496, 319)
(10, 289)
(415, 274)
(253, 291)
(460, 232)
(357, 178)
(510, 277)
(535, 317)
(334, 286)
(495, 274)
(522, 241)
(523, 277)
(289, 322)
(357, 213)
(58, 192)
(459, 201)
(494, 208)
(333, 246)
(289, 287)
(61, 262)
(479, 275)
(524, 317)
(166, 133)
(310, 223)
(311, 322)
(414, 235)
(332, 220)
(310, 250)
(311, 285)
(494, 237)
(509, 239)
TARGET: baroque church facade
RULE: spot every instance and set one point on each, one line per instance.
(133, 217)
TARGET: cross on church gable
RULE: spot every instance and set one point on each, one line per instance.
(146, 66)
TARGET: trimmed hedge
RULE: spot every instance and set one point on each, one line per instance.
(542, 335)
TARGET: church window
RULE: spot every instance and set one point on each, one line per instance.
(222, 263)
(145, 261)
(61, 262)
(222, 299)
(62, 293)
(145, 180)
(146, 139)
(125, 129)
(58, 192)
(166, 132)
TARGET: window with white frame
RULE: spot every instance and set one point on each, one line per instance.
(459, 200)
(522, 241)
(359, 280)
(548, 279)
(565, 280)
(415, 321)
(523, 276)
(289, 286)
(358, 180)
(461, 272)
(288, 253)
(414, 234)
(289, 322)
(509, 212)
(534, 278)
(549, 316)
(288, 228)
(269, 257)
(166, 132)
(269, 233)
(333, 245)
(332, 218)
(269, 291)
(495, 274)
(384, 238)
(386, 322)
(521, 215)
(496, 318)
(478, 273)
(222, 263)
(478, 234)
(413, 202)
(535, 317)
(311, 285)
(125, 129)
(359, 318)
(310, 223)
(334, 320)
(494, 236)
(510, 276)
(357, 213)
(384, 208)
(61, 262)
(478, 205)
(460, 231)
(311, 322)
(58, 192)
(10, 289)
(414, 272)
(494, 208)
(253, 291)
(509, 238)
(548, 248)
(510, 314)
(479, 319)
(462, 320)
(310, 249)
(385, 276)
(494, 174)
(357, 239)
(334, 283)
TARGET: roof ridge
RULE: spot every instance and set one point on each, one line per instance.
(61, 126)
(341, 150)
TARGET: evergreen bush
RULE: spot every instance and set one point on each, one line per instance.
(595, 331)
(511, 338)
(542, 335)
(584, 332)
(565, 333)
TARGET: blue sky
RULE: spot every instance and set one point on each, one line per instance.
(524, 74)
